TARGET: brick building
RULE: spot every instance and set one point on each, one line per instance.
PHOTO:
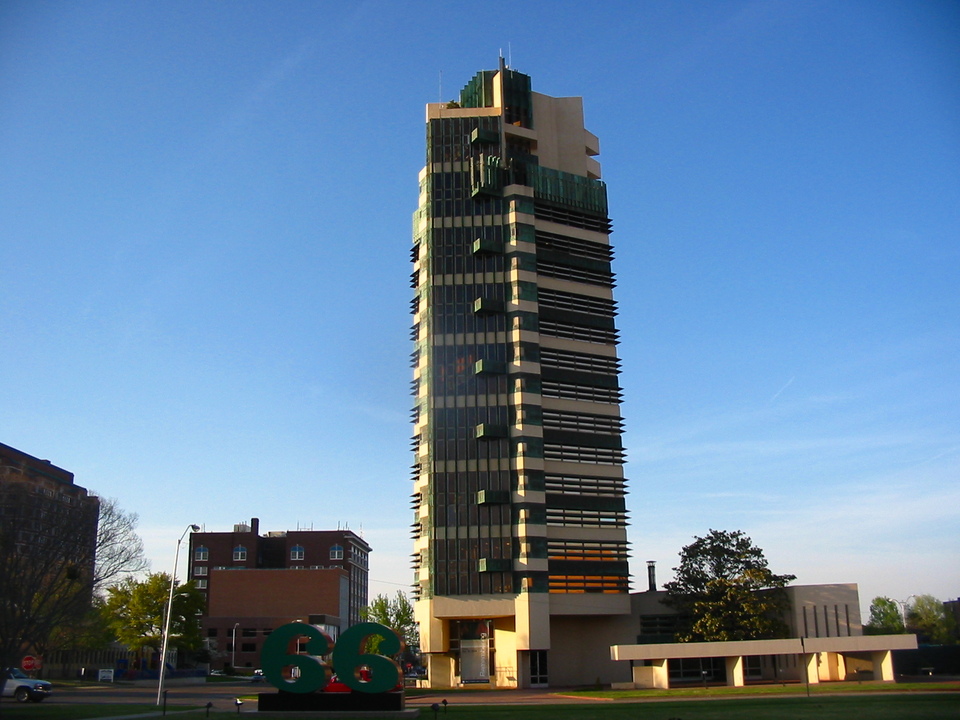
(255, 583)
(48, 532)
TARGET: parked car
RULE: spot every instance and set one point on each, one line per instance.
(23, 688)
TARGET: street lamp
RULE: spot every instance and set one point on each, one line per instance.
(166, 623)
(903, 609)
(233, 645)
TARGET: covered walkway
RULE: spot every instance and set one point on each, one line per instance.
(823, 658)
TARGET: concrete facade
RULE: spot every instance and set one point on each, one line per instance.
(826, 643)
(814, 659)
(519, 534)
(824, 611)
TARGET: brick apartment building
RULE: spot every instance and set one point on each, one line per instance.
(255, 583)
(48, 532)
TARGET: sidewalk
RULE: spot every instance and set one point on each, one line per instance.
(157, 713)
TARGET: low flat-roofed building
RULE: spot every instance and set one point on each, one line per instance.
(812, 660)
(826, 643)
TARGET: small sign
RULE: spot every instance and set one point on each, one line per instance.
(30, 663)
(105, 675)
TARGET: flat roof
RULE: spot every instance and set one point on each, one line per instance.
(742, 648)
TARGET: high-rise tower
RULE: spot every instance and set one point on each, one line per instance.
(520, 546)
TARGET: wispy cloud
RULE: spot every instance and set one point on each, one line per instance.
(777, 393)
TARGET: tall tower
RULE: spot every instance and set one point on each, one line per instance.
(520, 546)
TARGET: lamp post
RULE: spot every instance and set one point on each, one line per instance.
(903, 609)
(166, 623)
(233, 645)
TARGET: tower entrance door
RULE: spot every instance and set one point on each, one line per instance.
(538, 668)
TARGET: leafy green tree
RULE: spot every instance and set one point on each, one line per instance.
(929, 619)
(90, 632)
(135, 611)
(396, 614)
(723, 590)
(885, 618)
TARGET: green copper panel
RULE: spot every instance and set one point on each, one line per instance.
(567, 189)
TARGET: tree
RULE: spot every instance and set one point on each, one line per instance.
(135, 612)
(119, 548)
(723, 590)
(54, 557)
(119, 553)
(47, 554)
(929, 620)
(396, 614)
(885, 618)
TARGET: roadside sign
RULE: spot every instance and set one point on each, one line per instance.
(29, 663)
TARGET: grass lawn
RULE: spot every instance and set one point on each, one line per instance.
(831, 688)
(44, 711)
(873, 706)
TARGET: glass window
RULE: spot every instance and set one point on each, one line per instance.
(200, 570)
(296, 552)
(201, 554)
(239, 553)
(538, 667)
(201, 584)
(336, 552)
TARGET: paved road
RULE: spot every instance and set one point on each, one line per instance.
(223, 696)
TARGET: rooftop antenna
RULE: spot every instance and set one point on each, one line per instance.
(509, 54)
(440, 98)
(503, 113)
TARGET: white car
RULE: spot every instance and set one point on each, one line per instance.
(23, 688)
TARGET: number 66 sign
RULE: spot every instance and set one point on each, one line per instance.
(347, 659)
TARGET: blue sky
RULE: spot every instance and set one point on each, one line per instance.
(205, 213)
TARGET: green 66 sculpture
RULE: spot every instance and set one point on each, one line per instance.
(361, 671)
